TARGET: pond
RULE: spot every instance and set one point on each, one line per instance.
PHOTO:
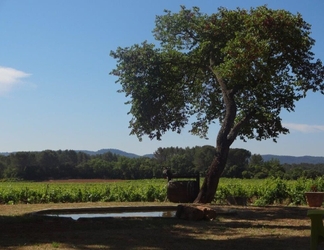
(115, 212)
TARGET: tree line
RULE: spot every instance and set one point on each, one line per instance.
(70, 164)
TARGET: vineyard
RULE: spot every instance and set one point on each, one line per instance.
(258, 192)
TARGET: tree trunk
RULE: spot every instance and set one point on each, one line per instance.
(225, 138)
(210, 184)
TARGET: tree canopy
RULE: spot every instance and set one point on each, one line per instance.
(238, 67)
(259, 59)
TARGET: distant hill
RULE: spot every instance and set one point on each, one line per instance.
(294, 159)
(101, 151)
(115, 151)
(111, 150)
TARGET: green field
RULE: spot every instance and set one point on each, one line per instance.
(257, 192)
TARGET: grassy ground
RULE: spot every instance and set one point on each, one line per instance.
(242, 228)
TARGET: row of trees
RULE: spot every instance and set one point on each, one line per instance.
(68, 164)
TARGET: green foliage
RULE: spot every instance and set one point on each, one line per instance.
(258, 192)
(240, 67)
(237, 162)
(268, 191)
(31, 192)
(297, 190)
(275, 191)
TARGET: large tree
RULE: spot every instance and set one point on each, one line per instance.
(240, 67)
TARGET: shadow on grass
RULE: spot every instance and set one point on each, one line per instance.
(153, 233)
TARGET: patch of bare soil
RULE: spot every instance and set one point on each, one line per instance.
(234, 228)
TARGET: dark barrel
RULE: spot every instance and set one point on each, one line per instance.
(182, 191)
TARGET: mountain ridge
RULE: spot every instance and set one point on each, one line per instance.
(114, 151)
(286, 159)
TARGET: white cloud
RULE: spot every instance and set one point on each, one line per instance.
(9, 78)
(305, 128)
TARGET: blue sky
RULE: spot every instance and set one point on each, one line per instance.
(56, 91)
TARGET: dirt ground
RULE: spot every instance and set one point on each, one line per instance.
(235, 228)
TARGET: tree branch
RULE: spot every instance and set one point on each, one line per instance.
(237, 127)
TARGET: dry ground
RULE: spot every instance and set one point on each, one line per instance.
(235, 228)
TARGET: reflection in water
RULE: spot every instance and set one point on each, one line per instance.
(76, 216)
